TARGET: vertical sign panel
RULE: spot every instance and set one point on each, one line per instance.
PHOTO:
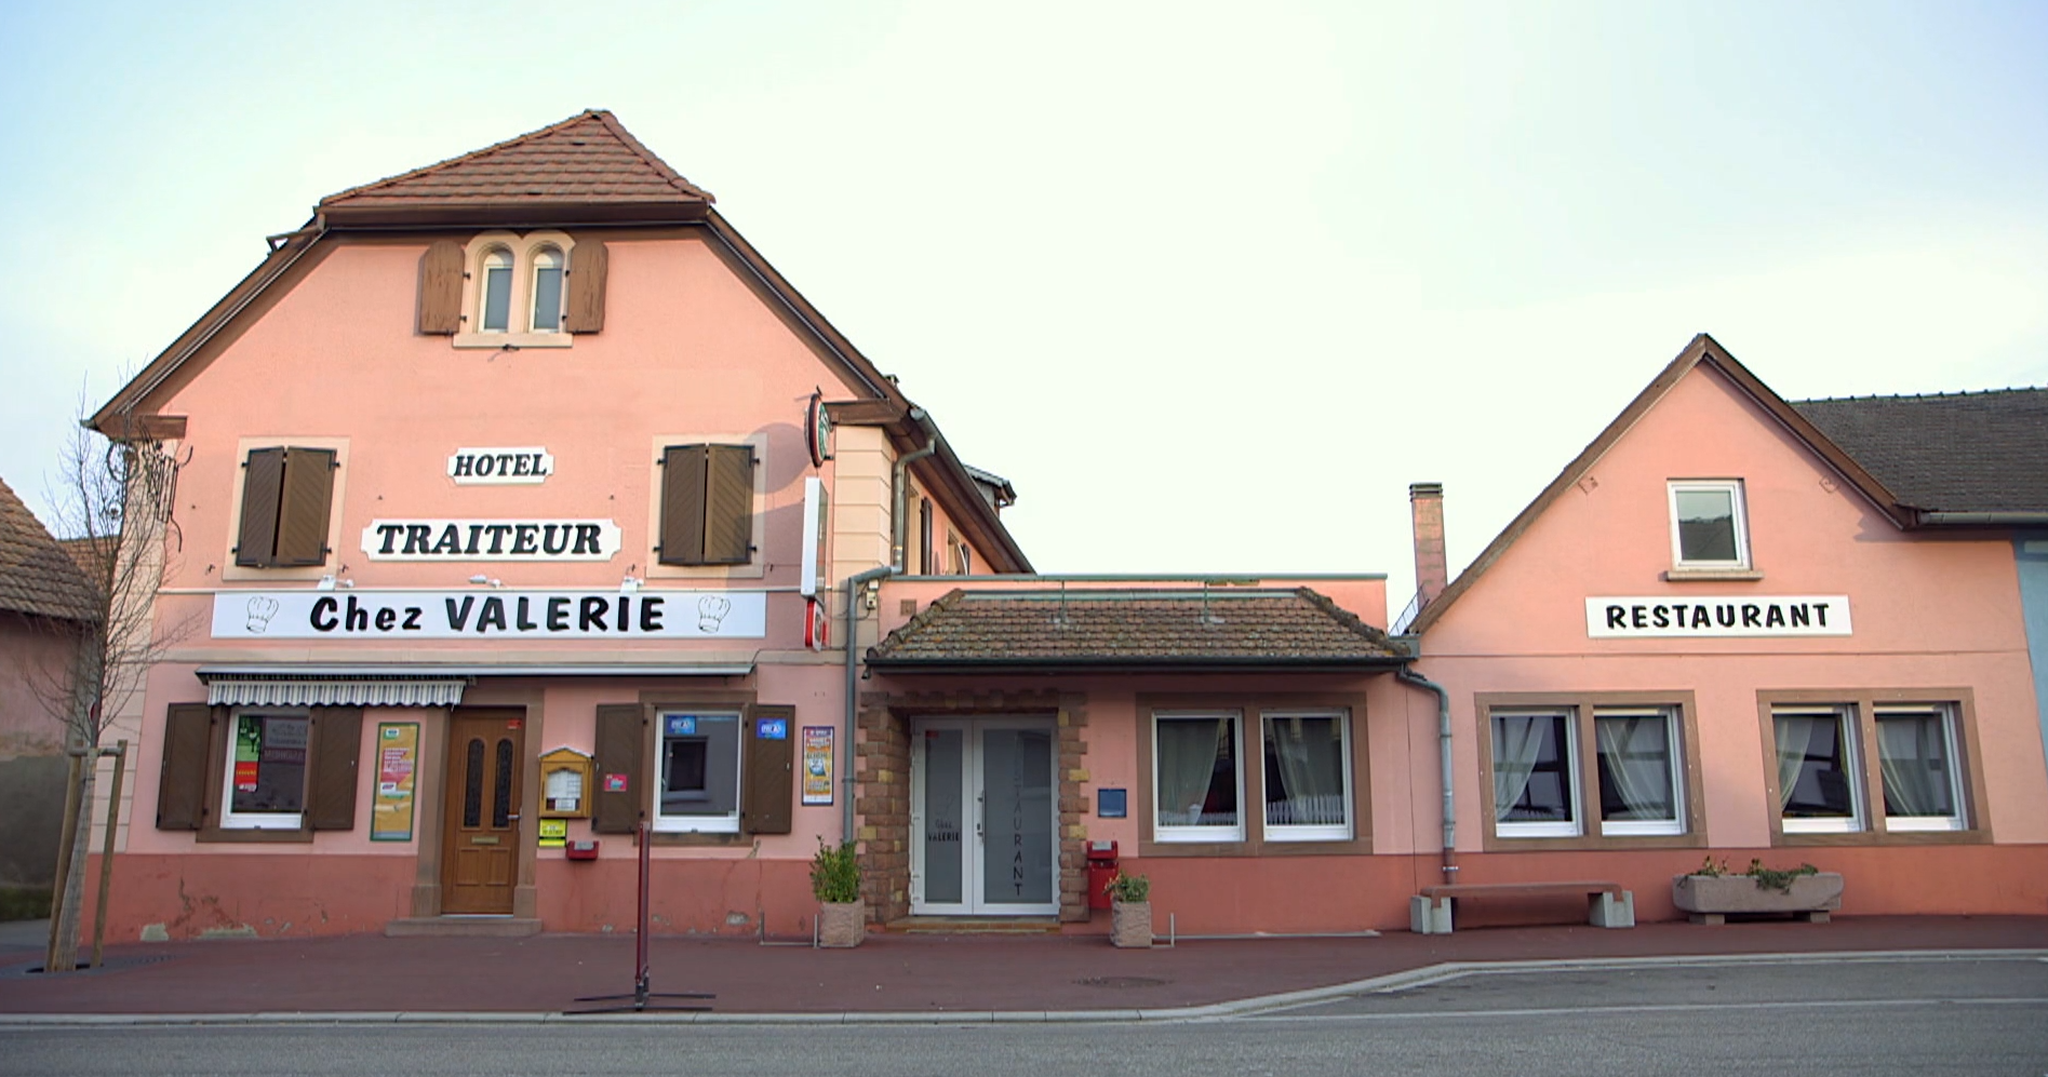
(398, 750)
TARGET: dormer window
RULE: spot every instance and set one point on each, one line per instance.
(497, 291)
(1707, 526)
(500, 290)
(547, 289)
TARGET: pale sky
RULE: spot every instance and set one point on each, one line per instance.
(1211, 284)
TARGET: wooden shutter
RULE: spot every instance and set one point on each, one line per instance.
(331, 782)
(181, 787)
(586, 288)
(302, 514)
(621, 748)
(682, 505)
(767, 770)
(262, 491)
(440, 306)
(729, 505)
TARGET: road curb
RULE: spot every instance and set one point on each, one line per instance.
(1397, 981)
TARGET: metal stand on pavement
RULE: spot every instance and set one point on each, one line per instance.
(638, 1001)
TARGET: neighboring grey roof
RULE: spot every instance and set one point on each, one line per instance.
(995, 489)
(1101, 629)
(1952, 452)
(36, 575)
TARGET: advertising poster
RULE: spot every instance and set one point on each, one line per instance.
(398, 752)
(817, 764)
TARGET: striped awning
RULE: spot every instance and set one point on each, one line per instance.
(335, 692)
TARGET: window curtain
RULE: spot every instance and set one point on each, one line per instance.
(1794, 735)
(1188, 749)
(1910, 753)
(1637, 752)
(1517, 741)
(1311, 773)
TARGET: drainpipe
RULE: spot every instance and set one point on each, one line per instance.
(898, 524)
(1443, 725)
(853, 586)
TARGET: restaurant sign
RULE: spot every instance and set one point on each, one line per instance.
(492, 614)
(1744, 615)
(491, 540)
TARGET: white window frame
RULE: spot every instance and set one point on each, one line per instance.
(230, 819)
(1847, 723)
(698, 824)
(541, 251)
(1575, 798)
(519, 331)
(1946, 712)
(1319, 832)
(1739, 511)
(1163, 833)
(1674, 740)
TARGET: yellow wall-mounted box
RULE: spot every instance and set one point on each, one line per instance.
(565, 784)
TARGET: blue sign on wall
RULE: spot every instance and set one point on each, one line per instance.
(1111, 804)
(771, 728)
(682, 725)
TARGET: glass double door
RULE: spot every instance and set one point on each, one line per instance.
(984, 814)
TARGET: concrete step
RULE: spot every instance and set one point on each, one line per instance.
(466, 927)
(974, 925)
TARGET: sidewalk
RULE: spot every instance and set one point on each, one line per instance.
(926, 975)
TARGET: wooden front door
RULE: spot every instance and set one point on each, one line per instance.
(480, 835)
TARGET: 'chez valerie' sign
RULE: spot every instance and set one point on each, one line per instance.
(498, 614)
(1747, 615)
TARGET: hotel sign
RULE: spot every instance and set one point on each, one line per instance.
(500, 467)
(1745, 615)
(490, 614)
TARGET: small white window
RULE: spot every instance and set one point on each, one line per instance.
(1640, 779)
(700, 772)
(1819, 791)
(1916, 757)
(1707, 526)
(1196, 781)
(1533, 775)
(547, 290)
(1308, 775)
(265, 783)
(497, 291)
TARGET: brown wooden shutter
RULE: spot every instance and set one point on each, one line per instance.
(331, 781)
(440, 309)
(586, 287)
(262, 491)
(181, 787)
(682, 505)
(767, 770)
(729, 505)
(303, 509)
(621, 748)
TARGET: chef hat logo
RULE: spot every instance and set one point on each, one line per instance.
(711, 611)
(261, 610)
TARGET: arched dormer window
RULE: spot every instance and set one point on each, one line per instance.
(547, 289)
(496, 315)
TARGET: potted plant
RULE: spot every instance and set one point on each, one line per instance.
(1130, 910)
(1713, 892)
(835, 881)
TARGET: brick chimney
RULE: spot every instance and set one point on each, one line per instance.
(1432, 575)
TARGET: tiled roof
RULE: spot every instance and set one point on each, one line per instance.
(588, 158)
(1107, 629)
(1953, 452)
(36, 575)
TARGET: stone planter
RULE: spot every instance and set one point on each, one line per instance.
(1711, 899)
(1130, 924)
(842, 924)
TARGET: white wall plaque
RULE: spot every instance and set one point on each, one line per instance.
(500, 467)
(1717, 615)
(491, 614)
(491, 540)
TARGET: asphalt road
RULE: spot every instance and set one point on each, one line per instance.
(1810, 1016)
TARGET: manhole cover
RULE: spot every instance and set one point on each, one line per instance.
(113, 964)
(1120, 981)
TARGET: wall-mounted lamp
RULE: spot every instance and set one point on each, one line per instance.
(629, 586)
(326, 584)
(479, 578)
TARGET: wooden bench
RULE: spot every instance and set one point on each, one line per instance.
(1607, 904)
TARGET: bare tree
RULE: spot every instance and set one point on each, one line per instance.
(112, 503)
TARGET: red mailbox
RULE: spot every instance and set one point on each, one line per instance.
(1102, 867)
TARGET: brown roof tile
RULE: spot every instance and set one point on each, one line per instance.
(1108, 629)
(1949, 452)
(36, 575)
(587, 158)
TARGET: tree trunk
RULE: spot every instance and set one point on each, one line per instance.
(67, 916)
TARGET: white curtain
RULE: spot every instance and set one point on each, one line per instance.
(1517, 741)
(1637, 751)
(1910, 752)
(1794, 735)
(1188, 749)
(1311, 772)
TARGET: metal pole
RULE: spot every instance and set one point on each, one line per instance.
(640, 951)
(72, 783)
(99, 925)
